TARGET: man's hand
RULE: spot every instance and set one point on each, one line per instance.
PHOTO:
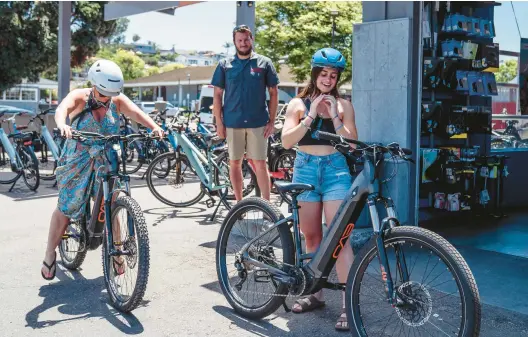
(220, 130)
(269, 129)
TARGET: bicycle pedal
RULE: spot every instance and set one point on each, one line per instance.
(210, 203)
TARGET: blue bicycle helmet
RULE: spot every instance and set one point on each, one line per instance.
(329, 57)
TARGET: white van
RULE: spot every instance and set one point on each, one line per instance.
(206, 102)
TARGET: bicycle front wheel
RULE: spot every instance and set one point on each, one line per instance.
(438, 297)
(30, 171)
(180, 186)
(126, 275)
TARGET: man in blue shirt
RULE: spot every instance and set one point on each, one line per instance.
(241, 113)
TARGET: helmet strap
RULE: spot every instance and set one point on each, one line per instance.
(96, 104)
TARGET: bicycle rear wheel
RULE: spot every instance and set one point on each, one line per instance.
(30, 171)
(439, 297)
(249, 289)
(181, 187)
(126, 290)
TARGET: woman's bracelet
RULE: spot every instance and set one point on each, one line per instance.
(339, 127)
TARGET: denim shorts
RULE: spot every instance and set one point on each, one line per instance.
(329, 175)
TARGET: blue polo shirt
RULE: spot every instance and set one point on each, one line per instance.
(245, 83)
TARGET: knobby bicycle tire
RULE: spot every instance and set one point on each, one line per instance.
(77, 261)
(143, 258)
(444, 250)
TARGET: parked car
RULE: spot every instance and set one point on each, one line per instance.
(148, 107)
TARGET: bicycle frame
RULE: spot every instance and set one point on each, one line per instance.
(50, 142)
(364, 190)
(198, 160)
(9, 148)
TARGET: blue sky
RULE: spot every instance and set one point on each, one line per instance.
(208, 25)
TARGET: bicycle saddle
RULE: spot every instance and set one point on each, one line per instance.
(293, 188)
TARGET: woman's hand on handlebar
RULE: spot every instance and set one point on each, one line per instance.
(158, 132)
(65, 130)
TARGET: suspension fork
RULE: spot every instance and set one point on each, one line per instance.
(379, 230)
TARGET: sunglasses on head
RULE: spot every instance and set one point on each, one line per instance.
(241, 28)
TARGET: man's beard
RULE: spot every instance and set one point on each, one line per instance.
(244, 53)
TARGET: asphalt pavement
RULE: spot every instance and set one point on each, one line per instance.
(183, 297)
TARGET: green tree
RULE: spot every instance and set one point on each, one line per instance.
(507, 71)
(151, 71)
(131, 65)
(297, 29)
(136, 38)
(170, 67)
(29, 32)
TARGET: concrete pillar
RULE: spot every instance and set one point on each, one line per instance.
(140, 94)
(65, 9)
(386, 92)
(180, 94)
(246, 14)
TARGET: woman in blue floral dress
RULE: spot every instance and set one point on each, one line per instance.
(97, 110)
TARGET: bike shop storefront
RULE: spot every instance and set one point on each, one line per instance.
(436, 65)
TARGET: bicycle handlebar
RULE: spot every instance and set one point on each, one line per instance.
(393, 147)
(83, 135)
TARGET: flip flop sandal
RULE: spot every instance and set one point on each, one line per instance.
(342, 322)
(119, 265)
(49, 269)
(308, 304)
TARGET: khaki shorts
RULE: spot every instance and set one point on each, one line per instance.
(249, 141)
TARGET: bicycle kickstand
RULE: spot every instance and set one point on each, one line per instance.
(223, 201)
(14, 183)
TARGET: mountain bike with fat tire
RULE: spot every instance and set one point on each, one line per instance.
(404, 281)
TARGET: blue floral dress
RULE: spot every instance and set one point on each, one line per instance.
(78, 160)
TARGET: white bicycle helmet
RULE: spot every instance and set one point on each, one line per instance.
(107, 77)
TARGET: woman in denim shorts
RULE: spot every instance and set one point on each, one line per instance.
(318, 163)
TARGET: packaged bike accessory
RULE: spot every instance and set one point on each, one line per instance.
(475, 27)
(439, 200)
(462, 81)
(486, 28)
(459, 23)
(489, 54)
(490, 84)
(452, 48)
(476, 84)
(431, 73)
(469, 50)
(453, 202)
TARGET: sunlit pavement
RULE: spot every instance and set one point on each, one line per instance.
(182, 299)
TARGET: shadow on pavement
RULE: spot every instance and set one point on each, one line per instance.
(80, 298)
(259, 328)
(190, 212)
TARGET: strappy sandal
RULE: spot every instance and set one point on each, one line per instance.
(342, 322)
(49, 269)
(308, 304)
(119, 265)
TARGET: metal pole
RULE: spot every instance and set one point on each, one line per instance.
(333, 30)
(65, 9)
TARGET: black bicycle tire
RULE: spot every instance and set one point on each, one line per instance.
(35, 166)
(435, 242)
(78, 260)
(152, 188)
(15, 178)
(143, 262)
(49, 177)
(128, 163)
(254, 183)
(288, 254)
